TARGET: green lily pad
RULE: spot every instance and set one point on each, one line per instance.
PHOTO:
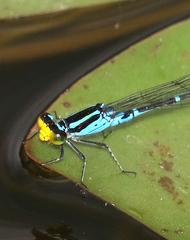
(15, 8)
(155, 145)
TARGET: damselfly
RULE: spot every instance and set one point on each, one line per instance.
(98, 118)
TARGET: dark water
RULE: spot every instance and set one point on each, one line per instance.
(44, 209)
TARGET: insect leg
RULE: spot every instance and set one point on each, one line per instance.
(81, 156)
(55, 114)
(106, 133)
(57, 159)
(106, 147)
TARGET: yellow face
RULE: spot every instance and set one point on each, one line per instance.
(45, 134)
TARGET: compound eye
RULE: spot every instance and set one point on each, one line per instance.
(47, 118)
(61, 137)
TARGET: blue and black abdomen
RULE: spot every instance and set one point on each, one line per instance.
(97, 118)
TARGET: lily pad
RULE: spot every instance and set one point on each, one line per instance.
(155, 145)
(15, 8)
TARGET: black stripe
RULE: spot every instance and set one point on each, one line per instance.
(127, 114)
(62, 124)
(80, 115)
(83, 125)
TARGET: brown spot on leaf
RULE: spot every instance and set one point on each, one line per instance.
(180, 201)
(166, 165)
(157, 46)
(151, 174)
(167, 184)
(178, 176)
(186, 186)
(156, 143)
(170, 155)
(151, 153)
(85, 86)
(66, 104)
(165, 155)
(112, 60)
(163, 150)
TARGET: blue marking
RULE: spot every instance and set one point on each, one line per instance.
(102, 123)
(177, 99)
(62, 128)
(75, 124)
(138, 113)
(50, 116)
(120, 118)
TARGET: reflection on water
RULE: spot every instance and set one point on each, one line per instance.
(56, 232)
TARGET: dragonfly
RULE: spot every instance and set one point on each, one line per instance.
(98, 118)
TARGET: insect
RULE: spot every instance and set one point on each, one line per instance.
(99, 117)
